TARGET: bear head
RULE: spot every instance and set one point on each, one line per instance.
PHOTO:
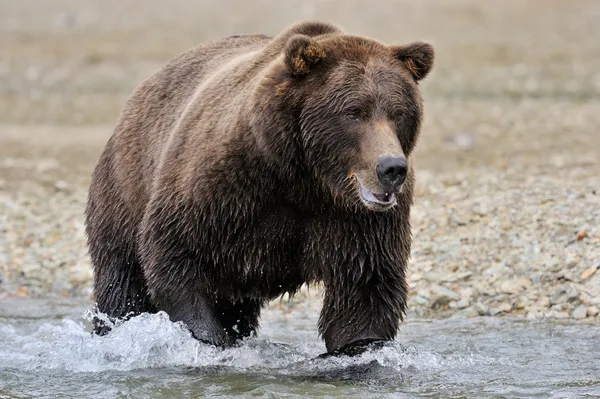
(346, 112)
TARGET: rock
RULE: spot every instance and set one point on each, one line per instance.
(420, 300)
(480, 209)
(499, 298)
(593, 311)
(522, 303)
(585, 298)
(558, 307)
(61, 185)
(483, 288)
(463, 303)
(466, 292)
(80, 274)
(498, 270)
(580, 312)
(450, 278)
(515, 286)
(565, 293)
(588, 273)
(481, 309)
(47, 164)
(571, 259)
(503, 308)
(436, 277)
(545, 302)
(460, 219)
(423, 292)
(554, 265)
(415, 277)
(469, 312)
(535, 314)
(571, 275)
(559, 315)
(441, 296)
(582, 235)
(463, 140)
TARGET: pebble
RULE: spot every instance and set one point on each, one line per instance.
(466, 292)
(588, 273)
(534, 314)
(464, 140)
(522, 303)
(441, 296)
(469, 312)
(419, 300)
(545, 302)
(580, 312)
(567, 293)
(515, 286)
(560, 315)
(503, 308)
(497, 270)
(460, 220)
(593, 311)
(463, 303)
(445, 277)
(80, 274)
(481, 309)
(61, 185)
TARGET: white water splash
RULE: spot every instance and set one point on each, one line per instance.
(153, 341)
(50, 347)
(145, 341)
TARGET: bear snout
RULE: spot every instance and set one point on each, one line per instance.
(391, 172)
(379, 183)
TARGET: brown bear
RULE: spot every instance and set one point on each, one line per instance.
(251, 165)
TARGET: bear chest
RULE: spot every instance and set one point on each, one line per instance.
(260, 259)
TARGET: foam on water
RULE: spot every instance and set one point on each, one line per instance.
(153, 341)
(502, 358)
(145, 341)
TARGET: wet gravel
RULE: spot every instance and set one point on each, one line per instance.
(507, 213)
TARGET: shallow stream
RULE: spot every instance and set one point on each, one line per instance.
(47, 351)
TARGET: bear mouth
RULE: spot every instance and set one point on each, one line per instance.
(379, 201)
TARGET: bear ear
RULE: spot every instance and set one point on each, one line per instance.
(301, 54)
(417, 57)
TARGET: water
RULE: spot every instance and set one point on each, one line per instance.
(47, 351)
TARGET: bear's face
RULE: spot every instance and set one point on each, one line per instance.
(358, 112)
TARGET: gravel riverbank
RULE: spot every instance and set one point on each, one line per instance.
(507, 213)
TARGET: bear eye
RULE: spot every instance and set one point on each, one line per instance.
(353, 114)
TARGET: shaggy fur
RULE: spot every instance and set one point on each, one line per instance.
(232, 177)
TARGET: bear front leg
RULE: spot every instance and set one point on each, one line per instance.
(360, 311)
(239, 318)
(173, 273)
(189, 304)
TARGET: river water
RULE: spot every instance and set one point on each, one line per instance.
(47, 351)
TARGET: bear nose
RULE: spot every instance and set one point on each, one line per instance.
(391, 171)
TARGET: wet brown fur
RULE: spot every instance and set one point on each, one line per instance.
(226, 184)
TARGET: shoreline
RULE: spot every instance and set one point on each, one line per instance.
(483, 245)
(506, 215)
